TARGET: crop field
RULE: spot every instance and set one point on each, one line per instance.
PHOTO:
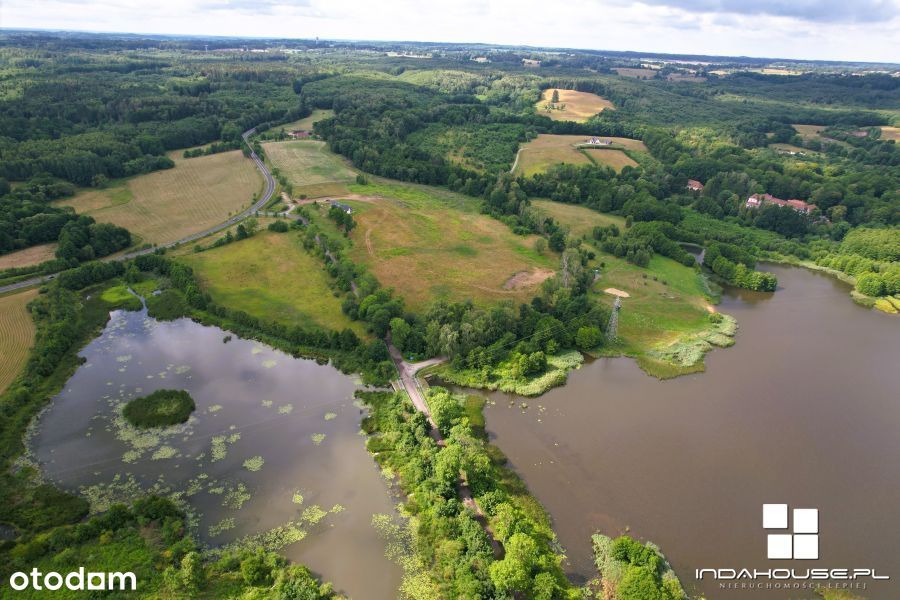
(890, 133)
(306, 123)
(579, 219)
(578, 106)
(168, 205)
(271, 276)
(431, 244)
(28, 256)
(16, 334)
(309, 166)
(547, 150)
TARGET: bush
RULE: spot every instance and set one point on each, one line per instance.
(160, 409)
(278, 226)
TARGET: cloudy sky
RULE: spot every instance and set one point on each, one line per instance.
(817, 29)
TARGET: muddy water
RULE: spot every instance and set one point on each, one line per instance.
(803, 410)
(253, 403)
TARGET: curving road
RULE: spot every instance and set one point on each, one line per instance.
(267, 195)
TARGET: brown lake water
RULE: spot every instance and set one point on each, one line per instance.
(803, 410)
(274, 441)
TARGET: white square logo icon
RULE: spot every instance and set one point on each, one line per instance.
(806, 547)
(780, 545)
(806, 520)
(799, 543)
(775, 516)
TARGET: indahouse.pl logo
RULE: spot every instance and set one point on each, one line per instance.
(799, 543)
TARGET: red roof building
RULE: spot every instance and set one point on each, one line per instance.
(694, 185)
(757, 200)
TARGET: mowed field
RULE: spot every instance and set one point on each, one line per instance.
(431, 244)
(168, 205)
(547, 150)
(809, 131)
(306, 123)
(579, 219)
(28, 256)
(16, 334)
(310, 167)
(636, 73)
(890, 133)
(271, 276)
(579, 106)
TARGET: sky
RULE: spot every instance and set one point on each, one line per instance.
(853, 30)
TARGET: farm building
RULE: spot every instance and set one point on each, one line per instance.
(758, 200)
(595, 141)
(343, 207)
(530, 62)
(299, 134)
(694, 185)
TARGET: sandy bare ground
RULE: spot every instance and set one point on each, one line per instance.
(617, 292)
(527, 279)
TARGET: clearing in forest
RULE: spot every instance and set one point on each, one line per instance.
(16, 334)
(579, 219)
(27, 257)
(547, 150)
(636, 73)
(890, 133)
(271, 276)
(310, 167)
(165, 206)
(572, 105)
(809, 131)
(306, 123)
(431, 244)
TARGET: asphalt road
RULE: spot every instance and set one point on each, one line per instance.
(267, 195)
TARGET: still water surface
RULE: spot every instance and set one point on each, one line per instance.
(253, 403)
(803, 410)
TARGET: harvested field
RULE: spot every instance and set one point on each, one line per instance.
(16, 334)
(431, 244)
(310, 167)
(28, 256)
(890, 133)
(547, 150)
(579, 219)
(271, 276)
(168, 205)
(575, 106)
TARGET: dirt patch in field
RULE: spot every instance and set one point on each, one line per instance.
(527, 279)
(617, 292)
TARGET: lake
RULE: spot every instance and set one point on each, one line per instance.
(803, 410)
(274, 448)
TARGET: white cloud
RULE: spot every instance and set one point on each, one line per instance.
(816, 29)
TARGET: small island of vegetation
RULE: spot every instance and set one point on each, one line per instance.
(160, 409)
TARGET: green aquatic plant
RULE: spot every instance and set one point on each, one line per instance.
(313, 514)
(285, 409)
(317, 438)
(222, 526)
(330, 415)
(236, 496)
(254, 463)
(164, 452)
(269, 363)
(297, 498)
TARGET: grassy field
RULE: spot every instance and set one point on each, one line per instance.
(547, 150)
(579, 106)
(310, 167)
(809, 131)
(168, 205)
(306, 123)
(271, 276)
(16, 334)
(578, 219)
(636, 73)
(790, 148)
(28, 256)
(890, 133)
(668, 306)
(431, 244)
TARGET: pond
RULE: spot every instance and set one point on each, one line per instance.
(803, 410)
(273, 453)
